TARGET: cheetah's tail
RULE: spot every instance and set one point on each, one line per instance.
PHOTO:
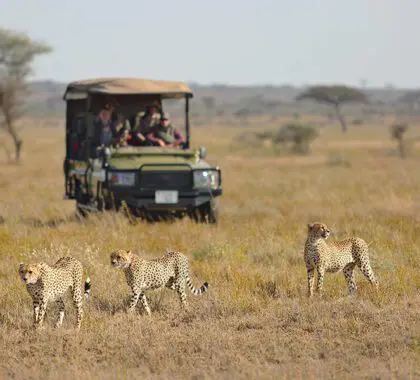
(199, 291)
(87, 288)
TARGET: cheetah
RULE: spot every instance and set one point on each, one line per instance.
(47, 283)
(338, 256)
(170, 270)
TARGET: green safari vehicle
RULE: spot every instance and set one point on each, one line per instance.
(152, 182)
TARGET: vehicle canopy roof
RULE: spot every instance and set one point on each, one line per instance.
(126, 86)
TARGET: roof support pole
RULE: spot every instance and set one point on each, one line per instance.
(187, 120)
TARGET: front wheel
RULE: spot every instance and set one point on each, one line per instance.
(81, 212)
(207, 213)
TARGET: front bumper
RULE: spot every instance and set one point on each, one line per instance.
(187, 200)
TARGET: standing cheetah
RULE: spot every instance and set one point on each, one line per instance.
(169, 271)
(343, 256)
(49, 283)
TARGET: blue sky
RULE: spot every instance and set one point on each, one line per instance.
(237, 42)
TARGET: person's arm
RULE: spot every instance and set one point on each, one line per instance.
(115, 135)
(178, 137)
(151, 137)
(139, 130)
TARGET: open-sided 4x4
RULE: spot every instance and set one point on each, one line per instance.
(153, 182)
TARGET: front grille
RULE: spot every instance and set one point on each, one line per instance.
(161, 180)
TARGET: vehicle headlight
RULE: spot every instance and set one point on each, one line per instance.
(206, 179)
(122, 178)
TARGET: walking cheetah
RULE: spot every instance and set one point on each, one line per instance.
(169, 271)
(338, 256)
(50, 283)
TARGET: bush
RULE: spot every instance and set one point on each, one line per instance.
(358, 122)
(294, 138)
(299, 135)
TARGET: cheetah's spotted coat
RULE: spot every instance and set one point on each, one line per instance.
(169, 271)
(47, 283)
(338, 256)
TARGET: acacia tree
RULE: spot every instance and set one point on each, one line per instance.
(335, 96)
(17, 53)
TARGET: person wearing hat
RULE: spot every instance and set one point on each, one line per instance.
(165, 134)
(144, 122)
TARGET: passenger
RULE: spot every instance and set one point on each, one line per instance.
(145, 122)
(165, 134)
(125, 137)
(105, 132)
(120, 121)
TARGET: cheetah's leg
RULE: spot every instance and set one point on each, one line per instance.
(133, 301)
(60, 304)
(180, 288)
(36, 311)
(144, 303)
(366, 269)
(171, 283)
(320, 279)
(348, 271)
(311, 281)
(41, 313)
(77, 300)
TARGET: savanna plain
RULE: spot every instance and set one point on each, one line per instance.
(256, 320)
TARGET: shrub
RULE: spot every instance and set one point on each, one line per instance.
(300, 136)
(294, 138)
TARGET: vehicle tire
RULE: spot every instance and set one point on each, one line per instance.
(207, 213)
(81, 199)
(81, 212)
(212, 212)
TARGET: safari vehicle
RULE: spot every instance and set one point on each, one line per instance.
(153, 183)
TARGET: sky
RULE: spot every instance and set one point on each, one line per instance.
(238, 42)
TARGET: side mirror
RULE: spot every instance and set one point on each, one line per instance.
(202, 152)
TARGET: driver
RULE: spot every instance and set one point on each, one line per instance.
(105, 132)
(165, 134)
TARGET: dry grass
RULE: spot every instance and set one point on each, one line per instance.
(255, 321)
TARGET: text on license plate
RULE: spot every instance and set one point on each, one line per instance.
(166, 196)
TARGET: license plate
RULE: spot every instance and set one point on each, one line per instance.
(167, 197)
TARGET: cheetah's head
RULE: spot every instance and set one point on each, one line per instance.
(29, 273)
(318, 230)
(121, 258)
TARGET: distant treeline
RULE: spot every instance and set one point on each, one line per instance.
(45, 100)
